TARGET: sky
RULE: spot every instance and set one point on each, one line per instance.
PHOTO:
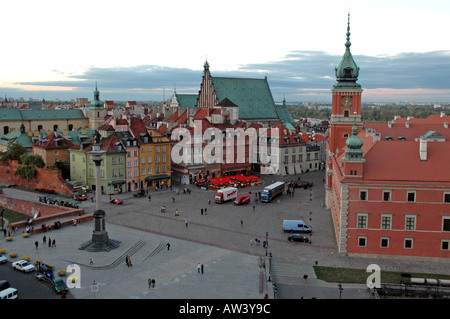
(143, 49)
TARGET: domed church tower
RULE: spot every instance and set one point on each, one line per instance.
(96, 111)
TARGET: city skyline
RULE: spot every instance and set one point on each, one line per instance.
(145, 51)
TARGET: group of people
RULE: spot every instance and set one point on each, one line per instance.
(51, 243)
(200, 268)
(257, 242)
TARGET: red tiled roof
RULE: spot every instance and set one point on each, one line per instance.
(108, 144)
(49, 142)
(400, 161)
(417, 127)
(173, 118)
(121, 122)
(201, 114)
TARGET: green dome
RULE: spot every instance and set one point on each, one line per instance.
(354, 141)
(96, 102)
(347, 71)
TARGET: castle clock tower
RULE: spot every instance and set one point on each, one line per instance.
(346, 99)
(345, 119)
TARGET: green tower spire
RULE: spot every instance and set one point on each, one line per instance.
(347, 71)
(96, 102)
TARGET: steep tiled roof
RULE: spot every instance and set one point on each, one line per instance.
(186, 100)
(252, 96)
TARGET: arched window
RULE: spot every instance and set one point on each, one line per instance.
(55, 127)
(5, 130)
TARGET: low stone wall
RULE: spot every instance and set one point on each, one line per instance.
(30, 208)
(48, 213)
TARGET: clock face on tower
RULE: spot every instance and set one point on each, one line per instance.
(347, 101)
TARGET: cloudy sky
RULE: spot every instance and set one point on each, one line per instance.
(143, 49)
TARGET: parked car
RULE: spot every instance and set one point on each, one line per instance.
(2, 259)
(23, 265)
(116, 201)
(59, 285)
(242, 199)
(299, 238)
(9, 293)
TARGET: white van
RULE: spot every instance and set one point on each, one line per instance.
(9, 293)
(296, 226)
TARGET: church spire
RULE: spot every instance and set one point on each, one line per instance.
(96, 102)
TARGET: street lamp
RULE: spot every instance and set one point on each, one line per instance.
(2, 217)
(267, 243)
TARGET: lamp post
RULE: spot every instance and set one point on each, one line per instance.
(267, 243)
(2, 218)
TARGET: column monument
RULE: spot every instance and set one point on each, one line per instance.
(100, 240)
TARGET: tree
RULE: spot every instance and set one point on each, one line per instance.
(13, 153)
(27, 168)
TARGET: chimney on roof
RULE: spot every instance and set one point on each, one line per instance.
(442, 114)
(446, 124)
(389, 124)
(407, 124)
(423, 148)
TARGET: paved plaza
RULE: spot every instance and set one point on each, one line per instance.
(220, 239)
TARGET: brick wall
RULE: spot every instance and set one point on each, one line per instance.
(48, 180)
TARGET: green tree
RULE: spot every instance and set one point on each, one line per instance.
(13, 153)
(27, 168)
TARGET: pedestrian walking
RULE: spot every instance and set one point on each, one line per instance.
(49, 242)
(44, 239)
(168, 246)
(206, 211)
(153, 282)
(54, 243)
(149, 198)
(149, 282)
(254, 207)
(91, 262)
(186, 223)
(176, 212)
(198, 268)
(128, 261)
(36, 244)
(201, 211)
(242, 223)
(201, 268)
